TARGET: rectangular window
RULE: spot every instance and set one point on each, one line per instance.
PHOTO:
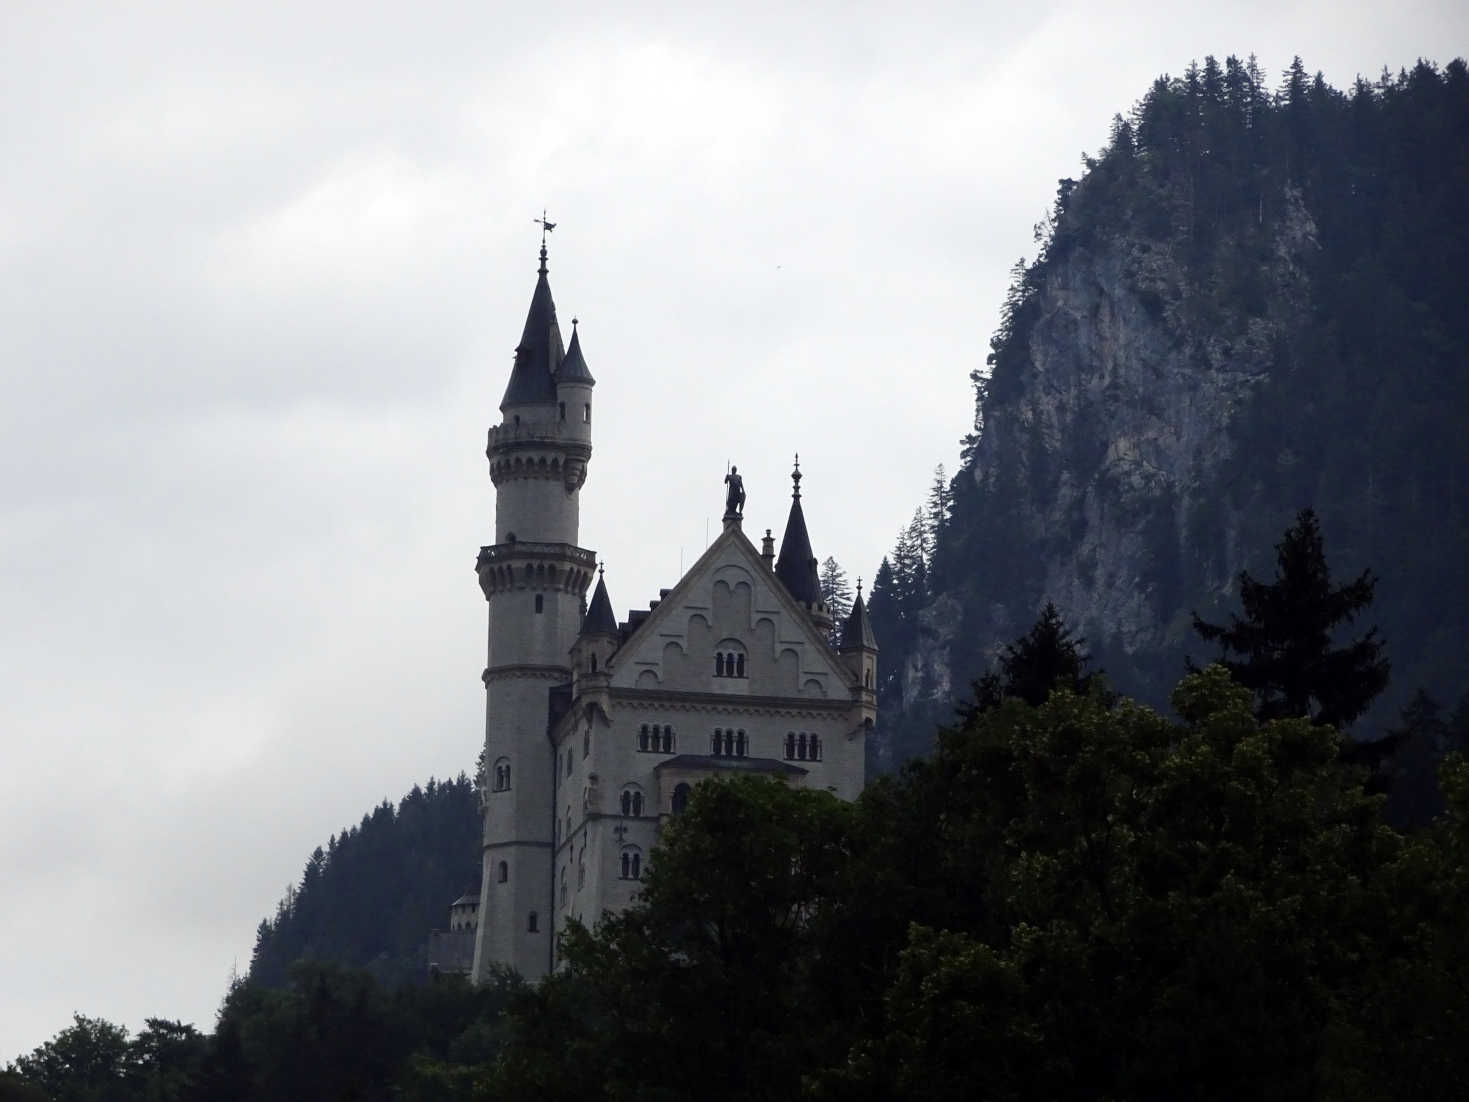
(586, 414)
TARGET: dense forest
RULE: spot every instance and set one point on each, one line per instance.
(1251, 301)
(1173, 806)
(371, 896)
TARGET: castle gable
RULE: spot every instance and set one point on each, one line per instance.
(729, 627)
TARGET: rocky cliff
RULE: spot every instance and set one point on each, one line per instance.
(1251, 302)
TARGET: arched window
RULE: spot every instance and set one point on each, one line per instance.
(594, 663)
(586, 414)
(815, 747)
(563, 410)
(632, 800)
(719, 664)
(739, 747)
(716, 744)
(632, 863)
(667, 739)
(643, 737)
(739, 664)
(790, 745)
(540, 602)
(681, 799)
(504, 874)
(502, 774)
(867, 679)
(532, 923)
(801, 746)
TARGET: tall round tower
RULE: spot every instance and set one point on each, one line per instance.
(534, 577)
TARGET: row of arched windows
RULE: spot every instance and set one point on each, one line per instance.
(653, 739)
(802, 747)
(728, 743)
(729, 664)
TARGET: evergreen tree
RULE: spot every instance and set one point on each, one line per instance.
(836, 591)
(1284, 641)
(1044, 658)
(938, 510)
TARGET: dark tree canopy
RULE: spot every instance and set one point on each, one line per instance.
(1282, 648)
(1044, 658)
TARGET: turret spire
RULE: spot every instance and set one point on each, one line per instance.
(796, 566)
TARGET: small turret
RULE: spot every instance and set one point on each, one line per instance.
(574, 391)
(796, 566)
(859, 645)
(597, 642)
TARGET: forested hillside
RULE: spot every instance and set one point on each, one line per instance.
(1252, 300)
(370, 898)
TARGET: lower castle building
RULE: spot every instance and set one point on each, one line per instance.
(598, 729)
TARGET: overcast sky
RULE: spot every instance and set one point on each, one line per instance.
(262, 268)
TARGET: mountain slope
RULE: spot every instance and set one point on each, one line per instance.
(1251, 302)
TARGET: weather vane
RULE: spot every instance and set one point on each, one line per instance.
(546, 227)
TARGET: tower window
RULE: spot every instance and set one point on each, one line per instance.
(504, 874)
(563, 411)
(532, 923)
(540, 602)
(586, 742)
(586, 414)
(632, 863)
(632, 801)
(502, 775)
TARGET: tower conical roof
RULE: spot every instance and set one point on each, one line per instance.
(540, 351)
(857, 633)
(574, 367)
(600, 619)
(796, 566)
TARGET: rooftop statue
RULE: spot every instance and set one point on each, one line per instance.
(734, 500)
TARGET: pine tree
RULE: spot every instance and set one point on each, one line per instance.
(836, 591)
(1284, 641)
(939, 510)
(1044, 658)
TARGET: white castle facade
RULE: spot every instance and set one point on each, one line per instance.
(597, 730)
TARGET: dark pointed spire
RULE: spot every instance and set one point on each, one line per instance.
(574, 367)
(599, 619)
(796, 566)
(539, 352)
(857, 634)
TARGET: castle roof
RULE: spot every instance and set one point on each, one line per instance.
(539, 353)
(796, 566)
(858, 631)
(599, 619)
(574, 367)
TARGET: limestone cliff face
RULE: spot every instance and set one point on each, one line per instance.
(1252, 302)
(1100, 476)
(1118, 439)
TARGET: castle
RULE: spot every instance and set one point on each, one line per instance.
(596, 731)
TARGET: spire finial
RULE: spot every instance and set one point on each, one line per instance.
(796, 477)
(546, 227)
(601, 568)
(859, 587)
